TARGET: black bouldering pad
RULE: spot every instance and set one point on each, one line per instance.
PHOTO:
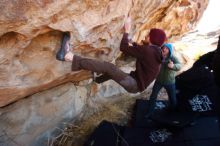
(204, 132)
(198, 92)
(176, 119)
(141, 109)
(106, 134)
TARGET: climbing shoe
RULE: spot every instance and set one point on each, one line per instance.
(63, 49)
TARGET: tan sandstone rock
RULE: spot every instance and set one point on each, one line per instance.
(30, 34)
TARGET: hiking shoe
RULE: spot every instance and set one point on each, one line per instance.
(63, 49)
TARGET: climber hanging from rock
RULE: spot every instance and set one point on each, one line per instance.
(148, 60)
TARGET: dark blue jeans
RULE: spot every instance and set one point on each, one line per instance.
(171, 91)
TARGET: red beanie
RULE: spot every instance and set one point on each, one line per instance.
(157, 36)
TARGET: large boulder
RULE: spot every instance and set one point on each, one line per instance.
(30, 34)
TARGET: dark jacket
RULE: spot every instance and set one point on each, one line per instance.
(148, 61)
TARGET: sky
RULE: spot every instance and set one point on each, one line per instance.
(210, 19)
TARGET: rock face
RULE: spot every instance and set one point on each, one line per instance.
(33, 120)
(30, 34)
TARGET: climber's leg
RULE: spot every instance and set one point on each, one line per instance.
(122, 78)
(109, 69)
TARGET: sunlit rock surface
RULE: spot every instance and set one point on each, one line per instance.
(30, 34)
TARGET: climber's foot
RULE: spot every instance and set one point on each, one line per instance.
(65, 48)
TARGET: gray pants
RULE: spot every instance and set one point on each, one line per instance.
(122, 78)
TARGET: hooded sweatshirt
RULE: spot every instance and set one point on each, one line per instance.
(166, 74)
(148, 61)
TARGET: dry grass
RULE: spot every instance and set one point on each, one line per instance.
(118, 110)
(75, 134)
